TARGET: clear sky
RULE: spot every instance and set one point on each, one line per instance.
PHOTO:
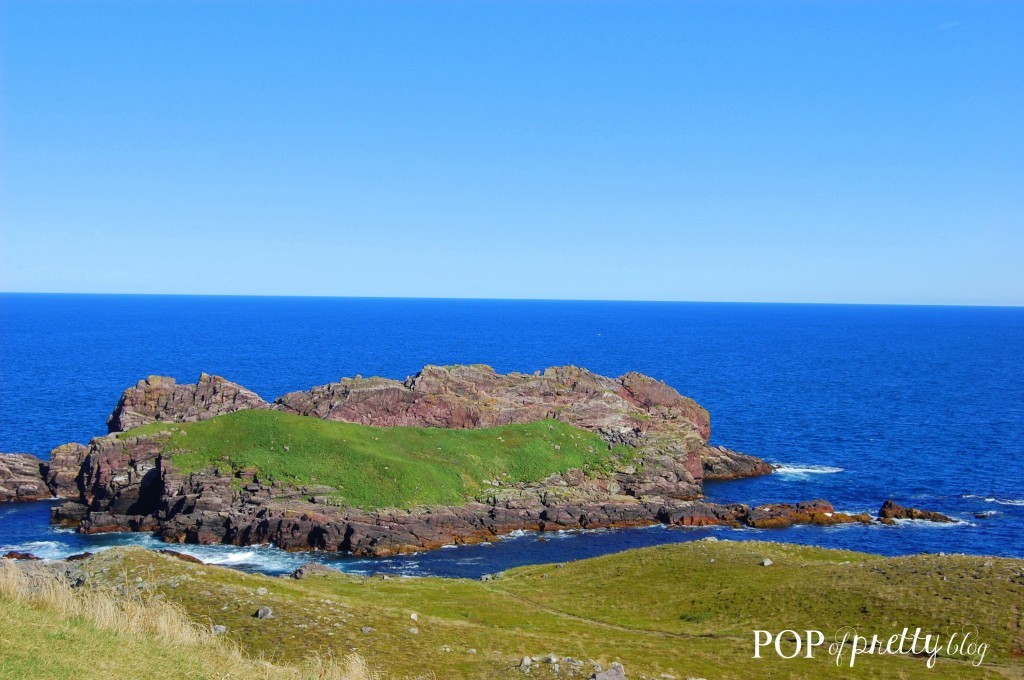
(786, 151)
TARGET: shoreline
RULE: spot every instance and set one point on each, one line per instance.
(518, 548)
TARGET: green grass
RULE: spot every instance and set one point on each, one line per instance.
(374, 467)
(35, 643)
(685, 610)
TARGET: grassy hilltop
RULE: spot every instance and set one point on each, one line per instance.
(684, 610)
(375, 467)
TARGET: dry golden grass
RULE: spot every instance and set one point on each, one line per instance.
(152, 620)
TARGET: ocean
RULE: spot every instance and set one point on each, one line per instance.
(923, 405)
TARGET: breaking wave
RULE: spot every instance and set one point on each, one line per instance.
(1016, 502)
(804, 471)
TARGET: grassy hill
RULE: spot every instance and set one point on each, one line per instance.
(684, 610)
(376, 467)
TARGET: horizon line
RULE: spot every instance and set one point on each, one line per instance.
(514, 299)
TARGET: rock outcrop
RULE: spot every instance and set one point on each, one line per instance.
(891, 511)
(63, 471)
(22, 478)
(15, 555)
(128, 483)
(477, 396)
(720, 463)
(162, 399)
(131, 487)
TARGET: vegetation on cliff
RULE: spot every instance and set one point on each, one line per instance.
(684, 610)
(378, 467)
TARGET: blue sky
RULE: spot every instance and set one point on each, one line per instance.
(801, 151)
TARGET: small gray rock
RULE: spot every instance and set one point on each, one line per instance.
(614, 673)
(525, 663)
(218, 630)
(766, 562)
(367, 630)
(264, 613)
(310, 568)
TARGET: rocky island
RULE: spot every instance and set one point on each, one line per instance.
(374, 466)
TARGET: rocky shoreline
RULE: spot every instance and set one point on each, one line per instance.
(128, 483)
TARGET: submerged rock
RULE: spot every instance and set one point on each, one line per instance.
(17, 555)
(181, 556)
(312, 568)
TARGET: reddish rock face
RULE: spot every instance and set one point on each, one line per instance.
(158, 399)
(21, 478)
(720, 463)
(62, 472)
(477, 396)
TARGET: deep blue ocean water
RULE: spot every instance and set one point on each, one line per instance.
(924, 405)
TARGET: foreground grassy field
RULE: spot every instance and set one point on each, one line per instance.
(50, 630)
(384, 467)
(685, 610)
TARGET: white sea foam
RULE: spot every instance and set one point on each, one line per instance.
(928, 524)
(47, 550)
(262, 558)
(518, 533)
(804, 471)
(999, 501)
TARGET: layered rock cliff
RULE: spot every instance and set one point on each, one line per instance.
(158, 398)
(477, 396)
(22, 478)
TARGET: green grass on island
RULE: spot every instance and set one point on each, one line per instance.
(674, 611)
(374, 467)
